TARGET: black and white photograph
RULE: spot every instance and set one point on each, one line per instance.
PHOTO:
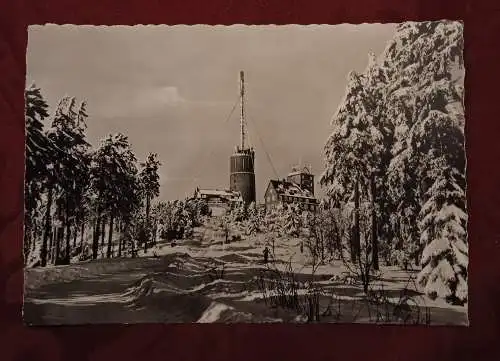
(245, 174)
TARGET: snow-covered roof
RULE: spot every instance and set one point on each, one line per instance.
(300, 170)
(221, 193)
(291, 189)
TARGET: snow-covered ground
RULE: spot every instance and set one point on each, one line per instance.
(203, 280)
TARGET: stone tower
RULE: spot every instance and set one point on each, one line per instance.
(242, 162)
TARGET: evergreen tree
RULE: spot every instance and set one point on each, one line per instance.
(427, 89)
(357, 151)
(67, 132)
(273, 220)
(254, 221)
(39, 157)
(37, 144)
(150, 184)
(240, 213)
(79, 194)
(114, 180)
(443, 223)
(291, 223)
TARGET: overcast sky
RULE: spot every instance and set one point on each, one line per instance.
(171, 89)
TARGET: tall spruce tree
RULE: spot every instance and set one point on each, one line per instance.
(67, 132)
(39, 156)
(114, 181)
(426, 60)
(357, 151)
(149, 179)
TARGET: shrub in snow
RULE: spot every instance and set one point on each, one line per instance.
(291, 221)
(240, 213)
(271, 221)
(254, 219)
(400, 257)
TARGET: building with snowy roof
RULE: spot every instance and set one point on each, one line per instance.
(297, 188)
(219, 201)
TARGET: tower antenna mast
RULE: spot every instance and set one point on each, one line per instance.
(242, 109)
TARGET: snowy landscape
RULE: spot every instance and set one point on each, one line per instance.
(377, 235)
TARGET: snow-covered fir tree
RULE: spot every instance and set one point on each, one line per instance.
(39, 153)
(150, 186)
(427, 87)
(443, 226)
(253, 223)
(291, 221)
(402, 122)
(357, 151)
(71, 167)
(114, 180)
(274, 220)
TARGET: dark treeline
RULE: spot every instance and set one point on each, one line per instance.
(78, 198)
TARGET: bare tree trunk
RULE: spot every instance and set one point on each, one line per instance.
(59, 236)
(110, 236)
(68, 232)
(35, 234)
(59, 241)
(154, 232)
(116, 230)
(43, 252)
(374, 227)
(95, 240)
(27, 236)
(322, 247)
(148, 206)
(57, 245)
(146, 239)
(52, 245)
(366, 283)
(120, 240)
(55, 234)
(68, 243)
(356, 241)
(82, 234)
(75, 232)
(416, 259)
(75, 235)
(103, 231)
(133, 248)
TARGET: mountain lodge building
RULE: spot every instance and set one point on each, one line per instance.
(297, 188)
